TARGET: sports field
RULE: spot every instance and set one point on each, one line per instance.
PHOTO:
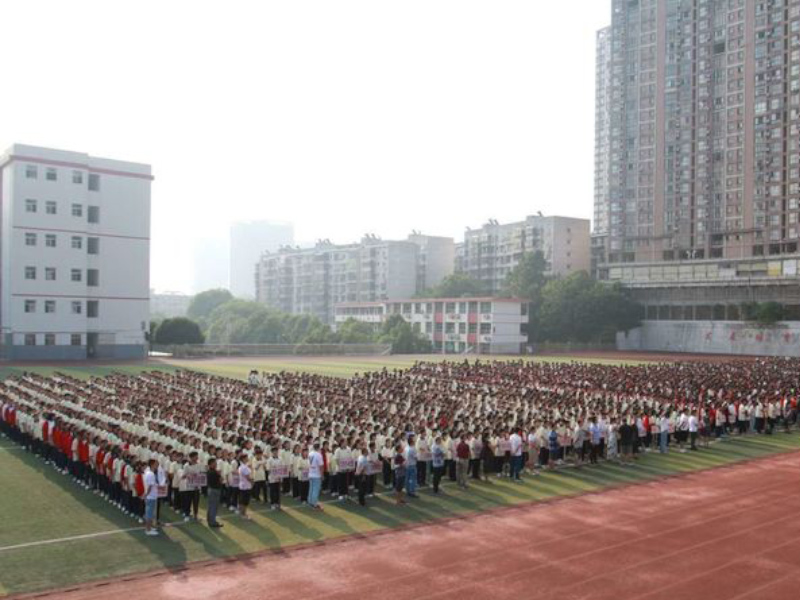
(55, 534)
(335, 366)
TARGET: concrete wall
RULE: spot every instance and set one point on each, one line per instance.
(713, 337)
(109, 352)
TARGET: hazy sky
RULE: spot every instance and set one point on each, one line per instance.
(343, 117)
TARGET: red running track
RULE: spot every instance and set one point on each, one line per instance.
(730, 533)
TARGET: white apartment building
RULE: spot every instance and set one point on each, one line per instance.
(490, 253)
(313, 280)
(74, 255)
(453, 325)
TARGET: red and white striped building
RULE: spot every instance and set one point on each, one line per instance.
(480, 325)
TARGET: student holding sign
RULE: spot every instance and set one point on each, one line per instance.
(195, 477)
(301, 468)
(344, 465)
(277, 473)
(259, 467)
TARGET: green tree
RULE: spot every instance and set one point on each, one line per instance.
(526, 281)
(234, 321)
(179, 330)
(356, 332)
(579, 309)
(203, 304)
(457, 285)
(402, 337)
(528, 278)
(764, 313)
(151, 334)
(245, 322)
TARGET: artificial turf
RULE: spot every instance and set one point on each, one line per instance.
(38, 504)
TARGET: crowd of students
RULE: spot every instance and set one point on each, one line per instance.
(159, 438)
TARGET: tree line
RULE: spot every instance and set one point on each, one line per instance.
(216, 317)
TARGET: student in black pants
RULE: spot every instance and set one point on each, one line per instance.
(437, 460)
(275, 469)
(361, 476)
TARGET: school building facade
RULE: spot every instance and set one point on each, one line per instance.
(74, 256)
(484, 325)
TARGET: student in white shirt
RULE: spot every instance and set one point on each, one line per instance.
(275, 468)
(150, 498)
(245, 485)
(362, 466)
(316, 467)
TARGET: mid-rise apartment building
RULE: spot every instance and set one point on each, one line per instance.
(490, 253)
(698, 169)
(74, 255)
(453, 325)
(436, 259)
(313, 280)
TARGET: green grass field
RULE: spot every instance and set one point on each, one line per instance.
(56, 534)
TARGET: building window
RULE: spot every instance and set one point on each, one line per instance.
(50, 207)
(77, 177)
(30, 273)
(49, 306)
(49, 339)
(486, 328)
(51, 174)
(94, 182)
(30, 339)
(76, 275)
(50, 274)
(77, 242)
(92, 277)
(486, 307)
(30, 306)
(50, 240)
(93, 245)
(77, 210)
(93, 309)
(75, 339)
(30, 239)
(93, 214)
(31, 206)
(77, 307)
(31, 172)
